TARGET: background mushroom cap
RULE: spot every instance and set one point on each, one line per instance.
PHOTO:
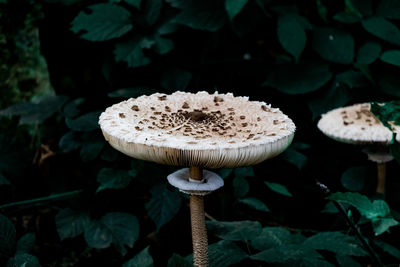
(202, 129)
(355, 124)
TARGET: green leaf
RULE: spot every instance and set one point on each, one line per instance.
(382, 29)
(131, 51)
(71, 109)
(225, 253)
(335, 242)
(23, 260)
(359, 7)
(347, 261)
(105, 22)
(69, 141)
(391, 57)
(389, 9)
(322, 10)
(330, 208)
(244, 172)
(7, 237)
(291, 35)
(368, 53)
(304, 77)
(286, 253)
(382, 225)
(164, 205)
(206, 15)
(135, 3)
(346, 17)
(240, 186)
(26, 243)
(395, 252)
(178, 261)
(224, 173)
(333, 45)
(254, 203)
(120, 229)
(233, 7)
(281, 189)
(84, 123)
(163, 45)
(92, 147)
(175, 79)
(235, 231)
(143, 258)
(71, 223)
(152, 9)
(353, 179)
(131, 92)
(294, 157)
(271, 237)
(113, 179)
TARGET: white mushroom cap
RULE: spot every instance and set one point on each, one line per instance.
(355, 125)
(181, 179)
(204, 130)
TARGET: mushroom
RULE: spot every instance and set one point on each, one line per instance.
(198, 131)
(357, 125)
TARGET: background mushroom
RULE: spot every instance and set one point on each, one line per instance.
(357, 125)
(198, 131)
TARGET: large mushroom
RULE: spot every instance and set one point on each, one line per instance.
(357, 125)
(197, 131)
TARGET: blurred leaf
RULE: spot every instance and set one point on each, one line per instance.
(333, 45)
(391, 57)
(382, 225)
(206, 15)
(322, 10)
(389, 9)
(84, 123)
(351, 78)
(113, 179)
(287, 253)
(271, 237)
(32, 113)
(233, 7)
(120, 229)
(294, 157)
(224, 173)
(175, 79)
(105, 22)
(131, 92)
(225, 253)
(26, 243)
(152, 10)
(109, 154)
(304, 77)
(281, 189)
(235, 231)
(3, 180)
(244, 172)
(164, 205)
(131, 51)
(330, 208)
(71, 223)
(291, 35)
(240, 186)
(347, 261)
(359, 7)
(135, 3)
(178, 261)
(385, 112)
(335, 242)
(71, 109)
(353, 179)
(382, 29)
(346, 17)
(90, 149)
(7, 238)
(162, 45)
(254, 203)
(142, 259)
(395, 252)
(368, 53)
(23, 260)
(69, 141)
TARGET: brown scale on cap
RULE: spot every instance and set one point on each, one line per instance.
(135, 108)
(162, 98)
(218, 99)
(265, 108)
(242, 117)
(185, 105)
(121, 115)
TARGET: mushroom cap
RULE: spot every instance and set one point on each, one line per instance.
(202, 129)
(356, 124)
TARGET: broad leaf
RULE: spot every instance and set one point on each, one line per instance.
(295, 157)
(288, 253)
(225, 253)
(164, 205)
(23, 260)
(391, 57)
(233, 7)
(389, 9)
(105, 22)
(113, 179)
(383, 29)
(240, 186)
(71, 223)
(271, 237)
(178, 261)
(382, 225)
(26, 243)
(69, 141)
(91, 149)
(278, 188)
(254, 203)
(304, 77)
(395, 252)
(7, 237)
(143, 258)
(152, 9)
(224, 173)
(333, 45)
(71, 109)
(368, 53)
(131, 51)
(84, 123)
(234, 231)
(353, 179)
(347, 261)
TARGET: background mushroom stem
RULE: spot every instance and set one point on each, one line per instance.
(381, 182)
(199, 232)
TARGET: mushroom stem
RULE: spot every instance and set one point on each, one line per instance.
(381, 183)
(199, 232)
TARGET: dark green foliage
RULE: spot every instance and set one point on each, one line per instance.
(143, 258)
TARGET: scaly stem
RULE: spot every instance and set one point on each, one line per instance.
(199, 232)
(381, 183)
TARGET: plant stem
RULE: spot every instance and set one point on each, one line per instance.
(381, 182)
(199, 232)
